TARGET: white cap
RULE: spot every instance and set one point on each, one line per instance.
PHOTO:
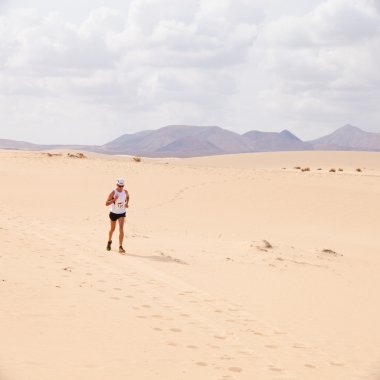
(120, 181)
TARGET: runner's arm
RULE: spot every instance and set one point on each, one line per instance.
(126, 198)
(110, 198)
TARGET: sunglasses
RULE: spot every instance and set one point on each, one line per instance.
(120, 185)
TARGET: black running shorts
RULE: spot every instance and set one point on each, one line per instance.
(114, 217)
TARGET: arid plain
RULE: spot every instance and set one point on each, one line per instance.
(237, 267)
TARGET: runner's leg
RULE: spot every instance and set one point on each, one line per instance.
(112, 229)
(121, 231)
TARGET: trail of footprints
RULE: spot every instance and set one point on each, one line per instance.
(233, 342)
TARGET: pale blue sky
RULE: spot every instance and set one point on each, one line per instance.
(89, 71)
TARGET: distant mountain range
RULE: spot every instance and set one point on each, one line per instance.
(191, 141)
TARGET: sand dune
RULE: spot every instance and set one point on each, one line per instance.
(237, 267)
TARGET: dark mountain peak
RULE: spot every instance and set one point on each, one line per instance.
(290, 135)
(349, 137)
(348, 128)
(188, 146)
(275, 141)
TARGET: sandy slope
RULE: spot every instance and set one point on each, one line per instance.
(200, 294)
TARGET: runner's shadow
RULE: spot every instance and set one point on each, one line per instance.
(163, 258)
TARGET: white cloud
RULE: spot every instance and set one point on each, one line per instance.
(152, 55)
(323, 63)
(240, 64)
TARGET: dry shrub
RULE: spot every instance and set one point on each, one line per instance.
(267, 244)
(305, 169)
(76, 155)
(331, 252)
(297, 167)
(136, 159)
(264, 247)
(358, 170)
(332, 170)
(53, 154)
(319, 169)
(340, 169)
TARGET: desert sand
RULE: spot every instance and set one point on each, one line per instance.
(237, 267)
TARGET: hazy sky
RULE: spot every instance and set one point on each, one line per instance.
(89, 71)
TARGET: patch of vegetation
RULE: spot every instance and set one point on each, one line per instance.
(76, 155)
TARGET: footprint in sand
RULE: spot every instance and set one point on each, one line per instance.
(299, 346)
(201, 364)
(176, 330)
(337, 364)
(241, 352)
(226, 357)
(235, 369)
(256, 332)
(275, 369)
(219, 337)
(192, 347)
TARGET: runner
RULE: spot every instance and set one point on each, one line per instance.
(118, 200)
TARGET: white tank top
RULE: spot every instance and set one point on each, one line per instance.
(119, 206)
